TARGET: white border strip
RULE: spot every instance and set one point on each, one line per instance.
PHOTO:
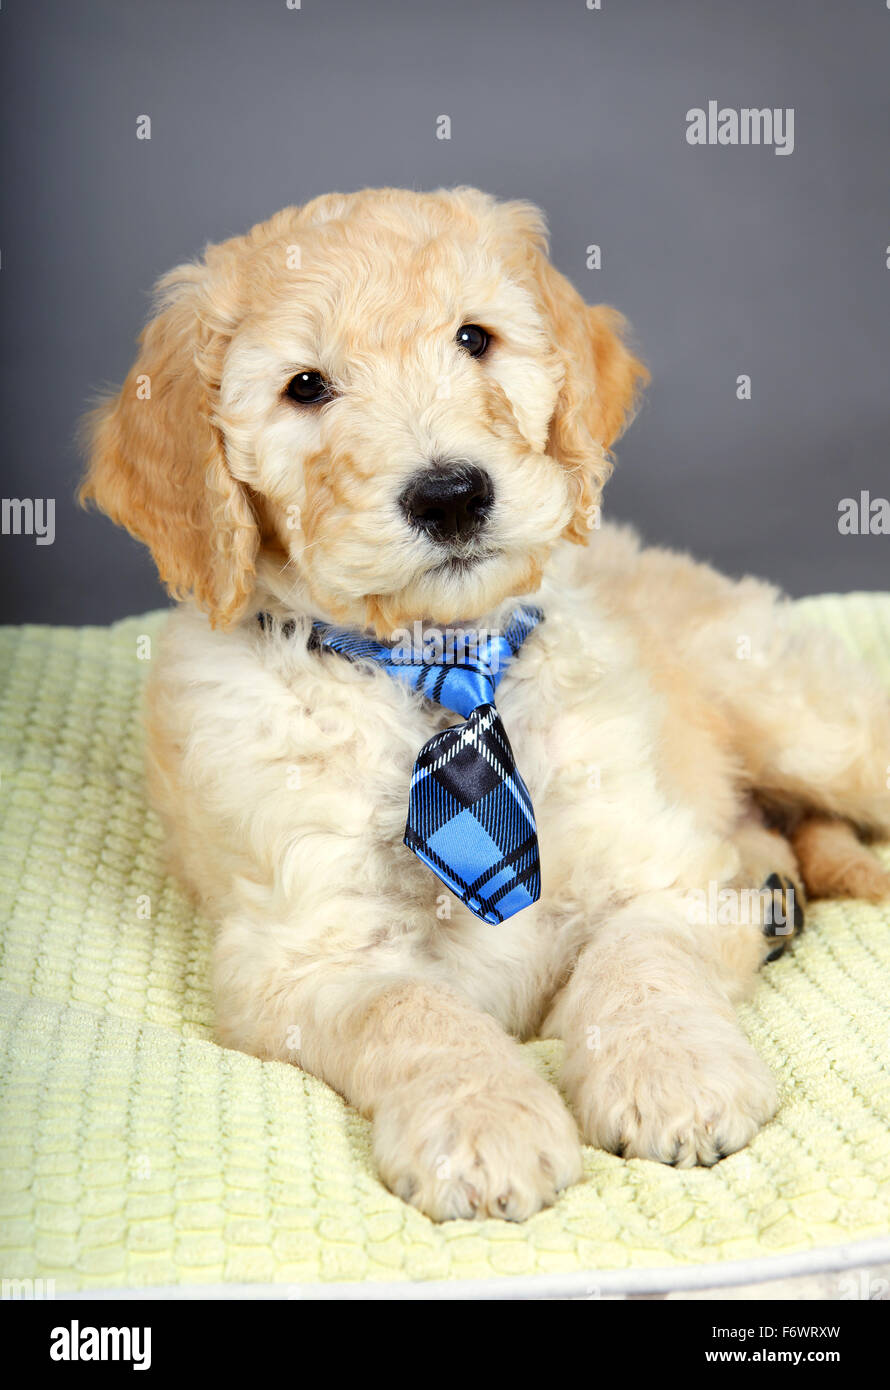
(592, 1284)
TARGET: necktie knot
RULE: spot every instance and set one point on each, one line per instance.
(457, 668)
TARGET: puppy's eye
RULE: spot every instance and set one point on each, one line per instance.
(309, 388)
(473, 339)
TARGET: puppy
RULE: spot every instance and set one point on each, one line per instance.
(683, 745)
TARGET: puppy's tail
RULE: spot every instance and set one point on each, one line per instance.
(834, 863)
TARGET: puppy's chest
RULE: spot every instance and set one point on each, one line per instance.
(360, 736)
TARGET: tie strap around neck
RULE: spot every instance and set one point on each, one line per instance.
(460, 674)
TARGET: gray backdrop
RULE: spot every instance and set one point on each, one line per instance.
(728, 260)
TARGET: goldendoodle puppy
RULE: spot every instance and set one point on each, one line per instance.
(366, 444)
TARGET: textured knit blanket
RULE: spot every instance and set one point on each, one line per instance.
(134, 1151)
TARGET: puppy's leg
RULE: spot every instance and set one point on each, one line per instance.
(806, 723)
(462, 1127)
(821, 857)
(812, 727)
(834, 863)
(656, 1063)
(767, 864)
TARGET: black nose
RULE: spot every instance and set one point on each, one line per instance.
(449, 501)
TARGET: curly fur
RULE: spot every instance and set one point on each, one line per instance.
(666, 719)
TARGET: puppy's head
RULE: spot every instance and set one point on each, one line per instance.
(392, 399)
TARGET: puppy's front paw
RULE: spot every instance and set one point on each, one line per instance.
(475, 1147)
(691, 1092)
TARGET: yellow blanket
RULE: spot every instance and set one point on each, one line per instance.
(134, 1151)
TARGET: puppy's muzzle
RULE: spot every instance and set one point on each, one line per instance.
(448, 502)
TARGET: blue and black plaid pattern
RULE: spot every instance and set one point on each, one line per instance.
(470, 817)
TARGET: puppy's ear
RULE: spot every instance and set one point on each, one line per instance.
(599, 396)
(157, 461)
(602, 378)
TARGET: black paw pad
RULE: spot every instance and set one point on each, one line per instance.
(784, 913)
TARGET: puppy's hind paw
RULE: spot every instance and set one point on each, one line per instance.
(836, 864)
(784, 914)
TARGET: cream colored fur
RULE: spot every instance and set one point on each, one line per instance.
(653, 714)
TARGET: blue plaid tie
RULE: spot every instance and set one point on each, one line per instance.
(470, 817)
